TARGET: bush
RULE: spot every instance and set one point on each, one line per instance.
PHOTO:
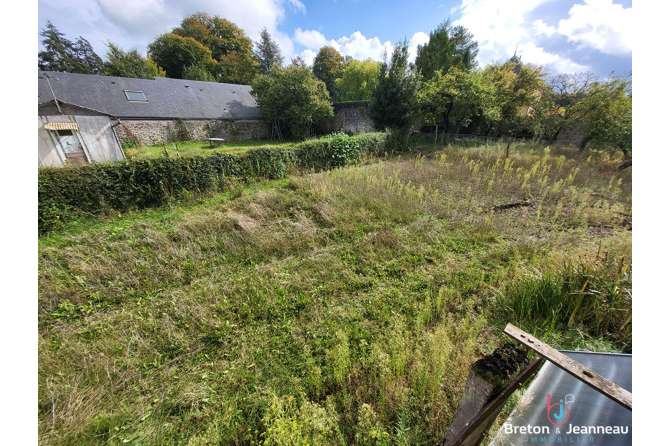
(67, 192)
(338, 150)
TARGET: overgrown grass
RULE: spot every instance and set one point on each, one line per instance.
(343, 307)
(593, 293)
(201, 148)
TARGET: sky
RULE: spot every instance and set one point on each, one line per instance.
(562, 36)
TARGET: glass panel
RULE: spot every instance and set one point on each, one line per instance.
(136, 96)
(554, 389)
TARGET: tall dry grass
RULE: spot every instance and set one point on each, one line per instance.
(340, 308)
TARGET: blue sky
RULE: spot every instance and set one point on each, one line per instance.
(562, 36)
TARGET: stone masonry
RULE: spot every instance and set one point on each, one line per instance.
(349, 117)
(151, 132)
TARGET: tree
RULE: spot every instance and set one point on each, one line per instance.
(555, 108)
(231, 49)
(293, 97)
(448, 46)
(516, 85)
(328, 66)
(130, 64)
(393, 100)
(221, 36)
(358, 80)
(455, 97)
(267, 53)
(60, 54)
(198, 73)
(298, 61)
(235, 68)
(608, 115)
(83, 52)
(174, 54)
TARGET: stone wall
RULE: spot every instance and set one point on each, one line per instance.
(571, 134)
(151, 132)
(350, 117)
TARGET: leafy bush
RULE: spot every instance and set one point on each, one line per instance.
(338, 150)
(67, 192)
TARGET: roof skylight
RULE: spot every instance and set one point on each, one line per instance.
(135, 96)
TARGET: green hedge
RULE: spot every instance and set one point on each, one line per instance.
(66, 192)
(338, 150)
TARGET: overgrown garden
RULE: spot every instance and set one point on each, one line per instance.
(333, 289)
(341, 307)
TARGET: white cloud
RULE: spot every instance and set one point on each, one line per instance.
(542, 28)
(361, 48)
(130, 23)
(310, 38)
(417, 39)
(602, 25)
(535, 55)
(356, 45)
(501, 30)
(497, 27)
(308, 56)
(297, 6)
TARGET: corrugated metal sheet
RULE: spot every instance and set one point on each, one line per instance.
(587, 412)
(61, 126)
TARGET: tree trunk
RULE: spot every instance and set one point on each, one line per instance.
(583, 143)
(446, 124)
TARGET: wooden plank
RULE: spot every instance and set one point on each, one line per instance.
(584, 374)
(477, 427)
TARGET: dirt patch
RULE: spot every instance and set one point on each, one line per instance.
(242, 221)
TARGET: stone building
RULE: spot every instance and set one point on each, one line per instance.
(139, 110)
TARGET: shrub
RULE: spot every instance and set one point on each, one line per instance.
(338, 150)
(67, 192)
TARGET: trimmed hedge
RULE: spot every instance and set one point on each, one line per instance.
(338, 150)
(134, 184)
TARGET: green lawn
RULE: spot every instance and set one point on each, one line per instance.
(343, 307)
(195, 148)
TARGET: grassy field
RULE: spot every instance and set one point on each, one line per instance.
(343, 307)
(202, 148)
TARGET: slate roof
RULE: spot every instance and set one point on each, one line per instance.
(166, 98)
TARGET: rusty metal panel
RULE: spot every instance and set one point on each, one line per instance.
(61, 126)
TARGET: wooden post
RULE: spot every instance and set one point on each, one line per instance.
(488, 377)
(584, 374)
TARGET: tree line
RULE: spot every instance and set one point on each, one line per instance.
(202, 48)
(443, 88)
